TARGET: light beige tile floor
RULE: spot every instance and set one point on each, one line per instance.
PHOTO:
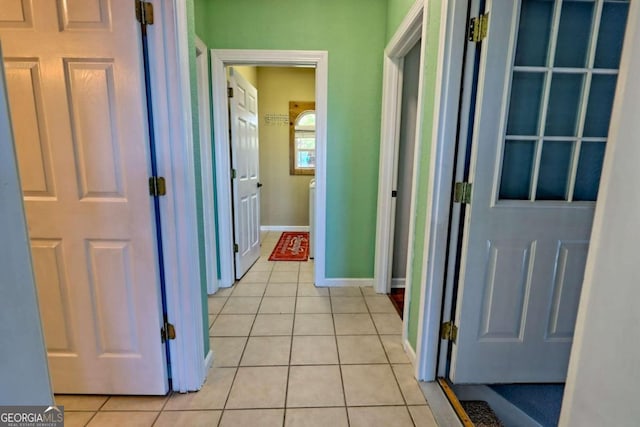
(286, 353)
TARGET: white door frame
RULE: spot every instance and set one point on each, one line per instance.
(206, 166)
(451, 43)
(170, 81)
(220, 58)
(405, 38)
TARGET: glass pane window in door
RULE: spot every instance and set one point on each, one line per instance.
(603, 88)
(576, 20)
(524, 103)
(564, 102)
(536, 17)
(553, 176)
(517, 162)
(589, 170)
(611, 34)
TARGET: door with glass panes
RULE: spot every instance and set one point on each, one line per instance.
(546, 86)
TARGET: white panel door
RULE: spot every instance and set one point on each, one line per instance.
(243, 111)
(75, 83)
(547, 78)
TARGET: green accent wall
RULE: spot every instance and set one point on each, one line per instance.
(354, 34)
(191, 27)
(396, 11)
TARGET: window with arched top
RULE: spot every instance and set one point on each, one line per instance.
(302, 138)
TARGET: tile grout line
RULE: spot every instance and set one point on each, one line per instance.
(335, 337)
(164, 405)
(235, 375)
(393, 372)
(293, 325)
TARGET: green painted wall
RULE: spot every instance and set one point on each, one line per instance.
(191, 25)
(353, 32)
(396, 11)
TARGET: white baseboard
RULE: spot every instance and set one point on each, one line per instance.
(284, 228)
(345, 282)
(398, 282)
(410, 352)
(208, 361)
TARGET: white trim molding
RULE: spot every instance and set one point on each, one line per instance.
(206, 166)
(284, 228)
(445, 119)
(409, 350)
(208, 361)
(344, 282)
(220, 58)
(403, 40)
(398, 282)
(169, 58)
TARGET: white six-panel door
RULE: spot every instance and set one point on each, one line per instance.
(75, 83)
(547, 78)
(245, 157)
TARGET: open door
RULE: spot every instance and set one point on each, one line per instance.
(245, 158)
(546, 84)
(76, 94)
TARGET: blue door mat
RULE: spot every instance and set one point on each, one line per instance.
(542, 402)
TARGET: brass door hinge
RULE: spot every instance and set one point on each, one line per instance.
(462, 192)
(448, 331)
(157, 186)
(167, 332)
(144, 12)
(230, 92)
(236, 249)
(233, 174)
(478, 28)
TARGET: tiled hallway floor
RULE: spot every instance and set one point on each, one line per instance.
(285, 354)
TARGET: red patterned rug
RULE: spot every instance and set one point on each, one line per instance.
(292, 246)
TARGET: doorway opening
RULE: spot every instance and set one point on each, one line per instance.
(267, 62)
(280, 158)
(404, 177)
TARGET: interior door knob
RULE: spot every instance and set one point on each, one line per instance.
(259, 184)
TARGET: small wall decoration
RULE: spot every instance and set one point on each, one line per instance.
(276, 119)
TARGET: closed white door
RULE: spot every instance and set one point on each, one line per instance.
(75, 83)
(245, 157)
(546, 85)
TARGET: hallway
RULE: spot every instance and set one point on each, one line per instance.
(286, 353)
